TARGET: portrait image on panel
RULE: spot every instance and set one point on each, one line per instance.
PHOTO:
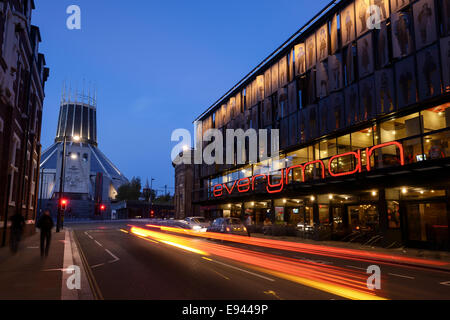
(348, 24)
(311, 57)
(255, 117)
(367, 98)
(322, 79)
(382, 46)
(312, 121)
(293, 129)
(300, 59)
(349, 67)
(292, 97)
(260, 88)
(429, 68)
(424, 23)
(282, 71)
(401, 34)
(398, 4)
(267, 112)
(445, 14)
(362, 16)
(323, 116)
(267, 83)
(384, 8)
(275, 78)
(351, 104)
(385, 94)
(284, 133)
(335, 72)
(334, 40)
(445, 58)
(336, 112)
(322, 43)
(301, 128)
(249, 96)
(405, 82)
(282, 105)
(365, 55)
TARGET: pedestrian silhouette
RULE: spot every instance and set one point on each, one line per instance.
(17, 226)
(46, 224)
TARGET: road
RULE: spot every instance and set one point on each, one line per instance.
(144, 263)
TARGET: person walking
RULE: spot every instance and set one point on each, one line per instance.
(17, 226)
(46, 224)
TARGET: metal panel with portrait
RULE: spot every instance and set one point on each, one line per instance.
(365, 55)
(311, 54)
(406, 82)
(323, 116)
(348, 24)
(336, 111)
(335, 80)
(402, 41)
(385, 93)
(382, 46)
(322, 79)
(322, 43)
(424, 23)
(300, 59)
(351, 104)
(428, 67)
(367, 98)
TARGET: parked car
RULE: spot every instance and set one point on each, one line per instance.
(200, 221)
(228, 225)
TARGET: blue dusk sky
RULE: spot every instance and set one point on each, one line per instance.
(157, 65)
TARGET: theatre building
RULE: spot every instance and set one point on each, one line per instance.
(363, 113)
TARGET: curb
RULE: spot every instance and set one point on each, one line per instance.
(91, 291)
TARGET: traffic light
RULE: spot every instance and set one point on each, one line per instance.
(63, 203)
(102, 207)
(152, 214)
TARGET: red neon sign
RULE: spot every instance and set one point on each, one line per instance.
(244, 185)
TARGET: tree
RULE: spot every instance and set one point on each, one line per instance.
(130, 191)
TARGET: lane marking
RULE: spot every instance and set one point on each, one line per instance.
(223, 276)
(358, 268)
(97, 265)
(87, 234)
(32, 247)
(112, 255)
(243, 270)
(272, 293)
(98, 243)
(447, 283)
(401, 276)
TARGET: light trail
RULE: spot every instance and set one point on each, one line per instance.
(328, 251)
(332, 279)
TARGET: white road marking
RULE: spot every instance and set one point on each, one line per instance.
(90, 237)
(98, 265)
(447, 283)
(33, 248)
(356, 268)
(242, 270)
(112, 255)
(401, 276)
(98, 243)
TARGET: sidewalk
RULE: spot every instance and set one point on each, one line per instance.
(410, 253)
(27, 276)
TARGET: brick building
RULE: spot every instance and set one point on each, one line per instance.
(22, 78)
